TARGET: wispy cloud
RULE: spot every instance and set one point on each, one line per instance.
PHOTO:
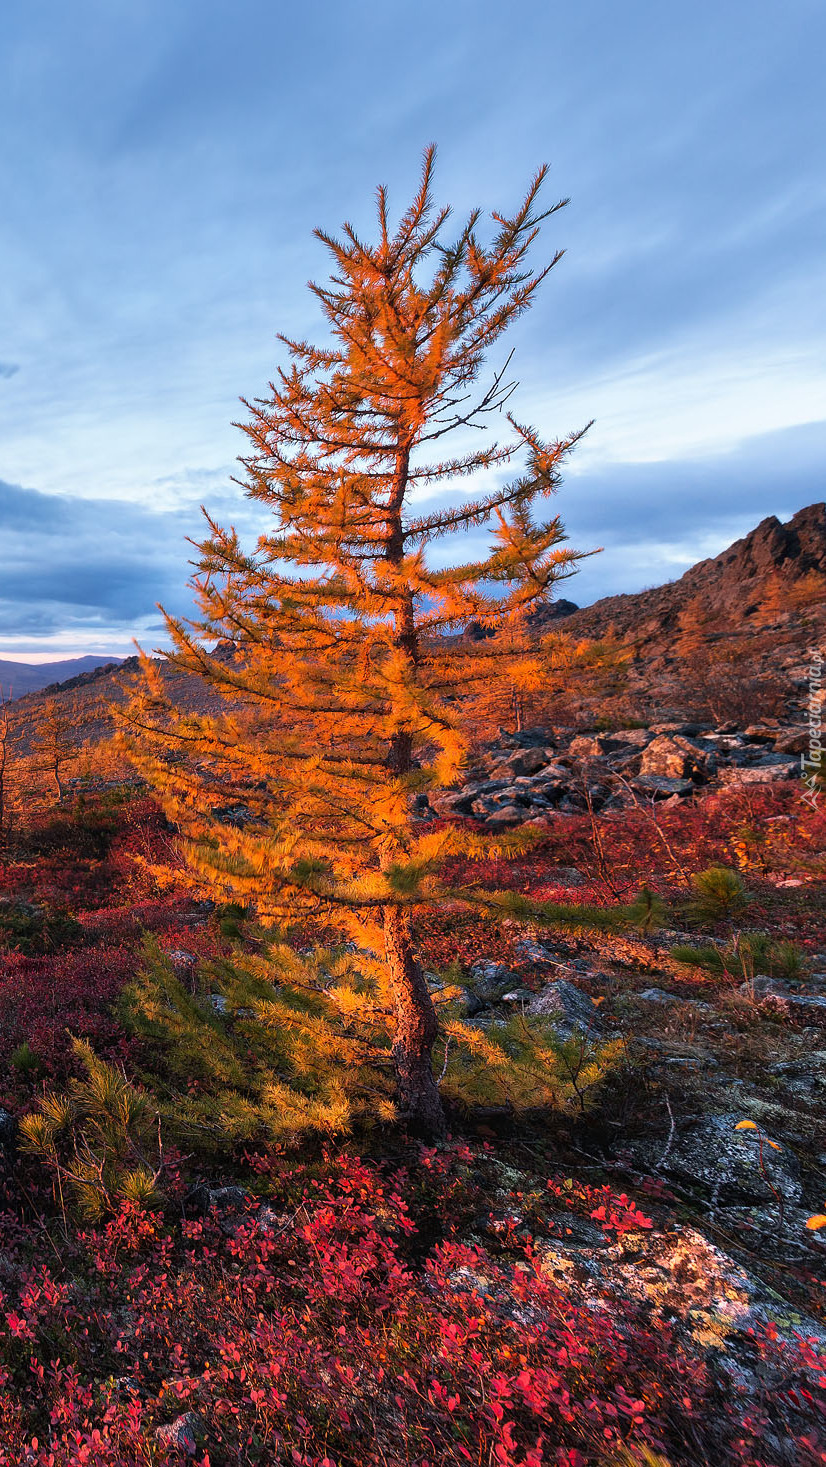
(160, 189)
(85, 575)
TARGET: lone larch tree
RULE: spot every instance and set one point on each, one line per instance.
(341, 696)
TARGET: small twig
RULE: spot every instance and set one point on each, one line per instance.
(596, 839)
(647, 807)
(444, 1066)
(663, 1159)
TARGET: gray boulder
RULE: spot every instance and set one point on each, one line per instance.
(675, 757)
(207, 1197)
(566, 876)
(761, 985)
(507, 815)
(452, 802)
(759, 773)
(524, 761)
(181, 1434)
(489, 981)
(218, 1002)
(588, 746)
(781, 761)
(550, 774)
(629, 738)
(570, 1010)
(792, 741)
(181, 960)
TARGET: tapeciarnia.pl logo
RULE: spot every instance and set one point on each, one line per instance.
(811, 762)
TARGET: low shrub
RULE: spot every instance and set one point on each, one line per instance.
(25, 1060)
(29, 927)
(345, 1322)
(748, 954)
(43, 997)
(719, 895)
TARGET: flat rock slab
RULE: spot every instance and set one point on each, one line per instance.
(759, 773)
(729, 1163)
(660, 786)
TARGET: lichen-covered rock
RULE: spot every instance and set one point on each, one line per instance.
(792, 741)
(523, 762)
(489, 981)
(181, 1434)
(588, 746)
(624, 739)
(183, 962)
(208, 1197)
(679, 1275)
(662, 786)
(566, 876)
(759, 773)
(760, 985)
(509, 814)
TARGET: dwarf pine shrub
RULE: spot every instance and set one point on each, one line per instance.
(24, 1059)
(719, 894)
(748, 954)
(647, 911)
(787, 960)
(99, 1139)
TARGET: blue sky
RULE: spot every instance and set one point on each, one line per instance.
(162, 168)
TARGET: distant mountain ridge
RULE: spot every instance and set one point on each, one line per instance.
(19, 678)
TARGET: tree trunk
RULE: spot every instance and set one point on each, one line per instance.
(418, 1093)
(419, 1099)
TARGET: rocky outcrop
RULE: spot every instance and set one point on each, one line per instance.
(526, 776)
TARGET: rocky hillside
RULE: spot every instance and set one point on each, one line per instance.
(731, 587)
(725, 644)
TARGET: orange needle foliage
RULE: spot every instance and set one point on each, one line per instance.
(341, 697)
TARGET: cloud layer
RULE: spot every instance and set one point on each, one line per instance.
(81, 572)
(163, 170)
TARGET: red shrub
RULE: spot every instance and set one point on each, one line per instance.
(323, 1331)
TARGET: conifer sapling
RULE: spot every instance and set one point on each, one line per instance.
(341, 694)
